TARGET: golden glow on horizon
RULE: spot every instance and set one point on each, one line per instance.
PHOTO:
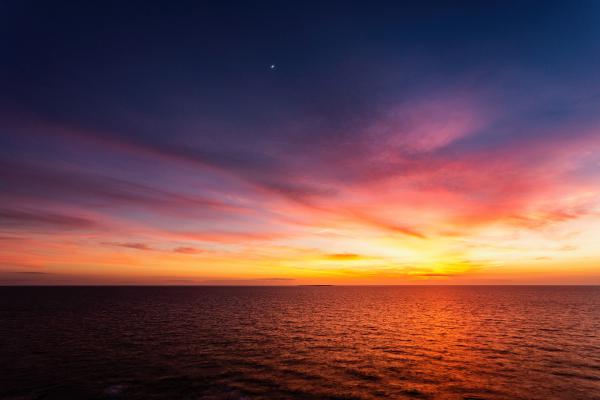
(498, 253)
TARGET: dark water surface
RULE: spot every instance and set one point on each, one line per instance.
(300, 342)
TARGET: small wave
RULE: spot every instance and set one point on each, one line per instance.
(364, 375)
(415, 393)
(114, 390)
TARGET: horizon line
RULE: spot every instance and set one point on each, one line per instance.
(306, 285)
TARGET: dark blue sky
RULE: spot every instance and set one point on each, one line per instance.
(96, 64)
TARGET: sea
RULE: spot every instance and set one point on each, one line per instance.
(302, 342)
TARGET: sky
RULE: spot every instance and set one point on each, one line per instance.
(286, 143)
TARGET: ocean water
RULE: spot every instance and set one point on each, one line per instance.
(300, 343)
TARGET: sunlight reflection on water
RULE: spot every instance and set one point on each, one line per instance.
(301, 342)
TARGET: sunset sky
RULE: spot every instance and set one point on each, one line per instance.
(284, 143)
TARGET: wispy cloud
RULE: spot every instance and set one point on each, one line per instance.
(187, 250)
(130, 245)
(345, 256)
(20, 219)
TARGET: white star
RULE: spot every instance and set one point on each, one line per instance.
(272, 67)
